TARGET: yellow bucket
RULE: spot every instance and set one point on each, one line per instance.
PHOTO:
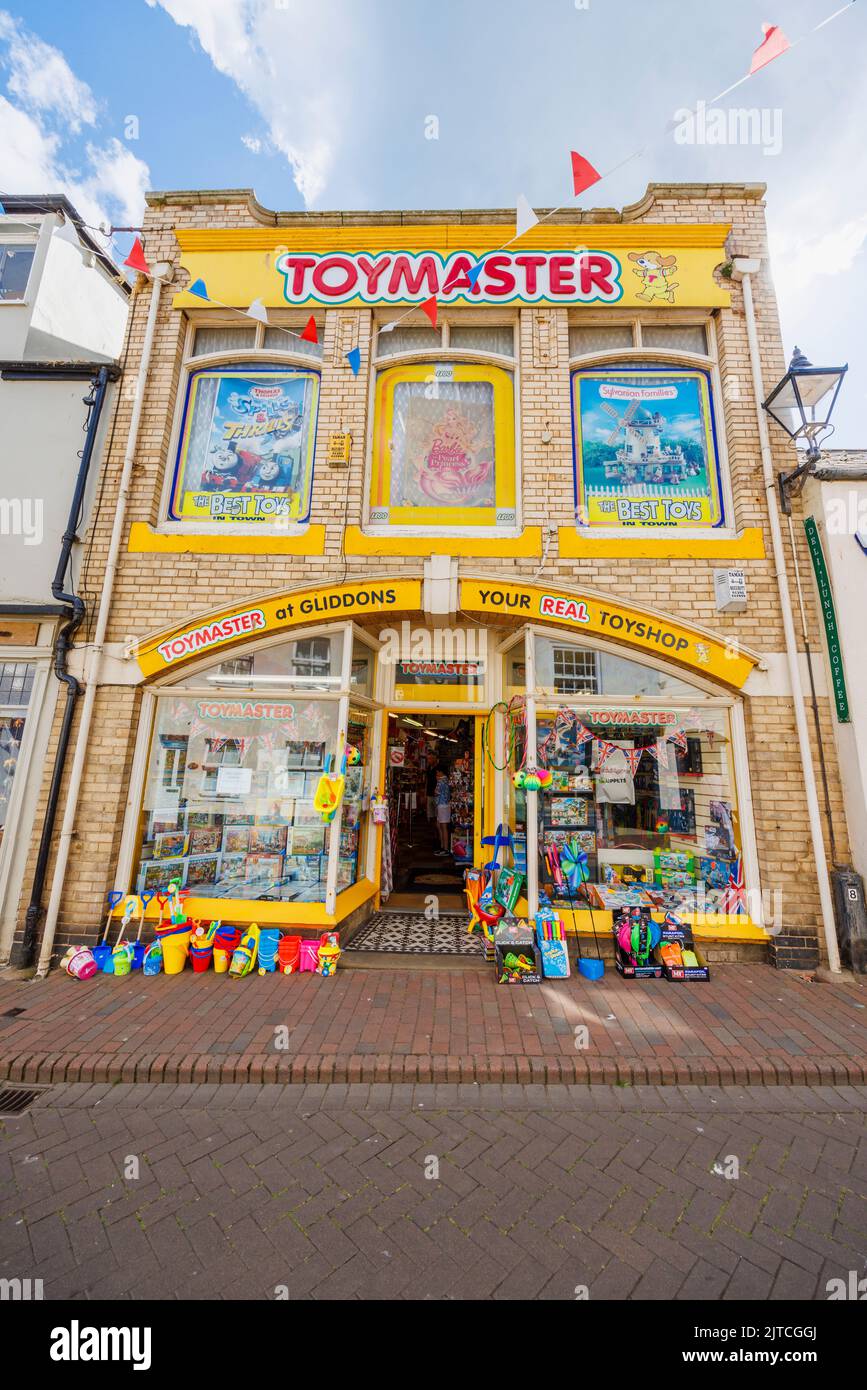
(221, 960)
(176, 946)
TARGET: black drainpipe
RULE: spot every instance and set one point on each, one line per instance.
(22, 952)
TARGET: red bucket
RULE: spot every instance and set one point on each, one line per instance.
(288, 954)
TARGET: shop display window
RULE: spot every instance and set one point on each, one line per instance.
(228, 804)
(308, 663)
(246, 446)
(16, 688)
(648, 794)
(350, 867)
(444, 447)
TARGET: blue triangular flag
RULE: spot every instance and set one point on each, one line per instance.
(198, 287)
(353, 357)
(474, 273)
(2, 210)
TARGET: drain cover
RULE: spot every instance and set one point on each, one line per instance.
(14, 1100)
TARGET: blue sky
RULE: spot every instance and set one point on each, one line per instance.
(325, 104)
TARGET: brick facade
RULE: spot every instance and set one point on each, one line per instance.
(154, 591)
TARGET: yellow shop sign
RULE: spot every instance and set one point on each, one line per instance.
(647, 632)
(582, 264)
(190, 641)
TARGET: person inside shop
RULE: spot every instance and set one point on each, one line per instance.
(430, 785)
(444, 810)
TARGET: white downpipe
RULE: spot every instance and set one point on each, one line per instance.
(532, 798)
(770, 482)
(95, 659)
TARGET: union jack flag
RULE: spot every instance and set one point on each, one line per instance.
(734, 898)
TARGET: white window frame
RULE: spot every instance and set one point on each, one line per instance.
(445, 353)
(35, 713)
(229, 358)
(676, 357)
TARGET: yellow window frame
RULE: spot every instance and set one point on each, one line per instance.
(505, 482)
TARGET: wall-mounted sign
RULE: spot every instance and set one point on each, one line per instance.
(246, 446)
(191, 640)
(647, 632)
(645, 450)
(445, 673)
(829, 618)
(631, 264)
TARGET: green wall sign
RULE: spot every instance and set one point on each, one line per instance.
(829, 617)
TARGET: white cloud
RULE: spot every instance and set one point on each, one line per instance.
(252, 143)
(42, 80)
(284, 59)
(48, 105)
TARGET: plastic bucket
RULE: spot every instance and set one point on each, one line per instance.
(176, 946)
(309, 955)
(79, 963)
(122, 956)
(200, 957)
(288, 954)
(591, 969)
(225, 941)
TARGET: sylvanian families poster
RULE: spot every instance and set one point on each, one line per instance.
(645, 449)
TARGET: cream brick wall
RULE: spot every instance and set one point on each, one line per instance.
(155, 591)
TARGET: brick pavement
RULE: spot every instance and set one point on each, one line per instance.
(329, 1192)
(749, 1024)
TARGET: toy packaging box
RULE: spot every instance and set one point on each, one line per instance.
(517, 956)
(676, 942)
(626, 964)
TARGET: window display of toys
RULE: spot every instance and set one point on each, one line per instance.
(329, 791)
(244, 955)
(79, 963)
(533, 779)
(328, 954)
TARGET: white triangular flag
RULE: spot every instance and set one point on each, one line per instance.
(388, 327)
(258, 311)
(525, 217)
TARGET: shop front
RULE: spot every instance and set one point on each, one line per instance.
(638, 719)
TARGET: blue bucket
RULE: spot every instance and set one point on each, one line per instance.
(591, 969)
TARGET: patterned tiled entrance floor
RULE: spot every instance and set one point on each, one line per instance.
(435, 1192)
(411, 933)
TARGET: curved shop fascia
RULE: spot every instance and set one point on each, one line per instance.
(242, 706)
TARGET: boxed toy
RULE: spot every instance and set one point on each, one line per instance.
(636, 936)
(518, 959)
(680, 958)
(551, 940)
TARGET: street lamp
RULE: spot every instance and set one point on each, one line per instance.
(802, 404)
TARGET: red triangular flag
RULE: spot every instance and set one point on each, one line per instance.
(136, 258)
(583, 173)
(772, 45)
(309, 334)
(429, 307)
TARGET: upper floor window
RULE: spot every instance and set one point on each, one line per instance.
(16, 259)
(590, 339)
(245, 451)
(449, 336)
(645, 447)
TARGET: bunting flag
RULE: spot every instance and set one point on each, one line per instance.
(582, 734)
(633, 757)
(309, 335)
(388, 327)
(605, 751)
(525, 217)
(734, 899)
(136, 258)
(659, 751)
(474, 272)
(353, 357)
(772, 45)
(258, 311)
(678, 738)
(583, 173)
(199, 289)
(429, 307)
(66, 232)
